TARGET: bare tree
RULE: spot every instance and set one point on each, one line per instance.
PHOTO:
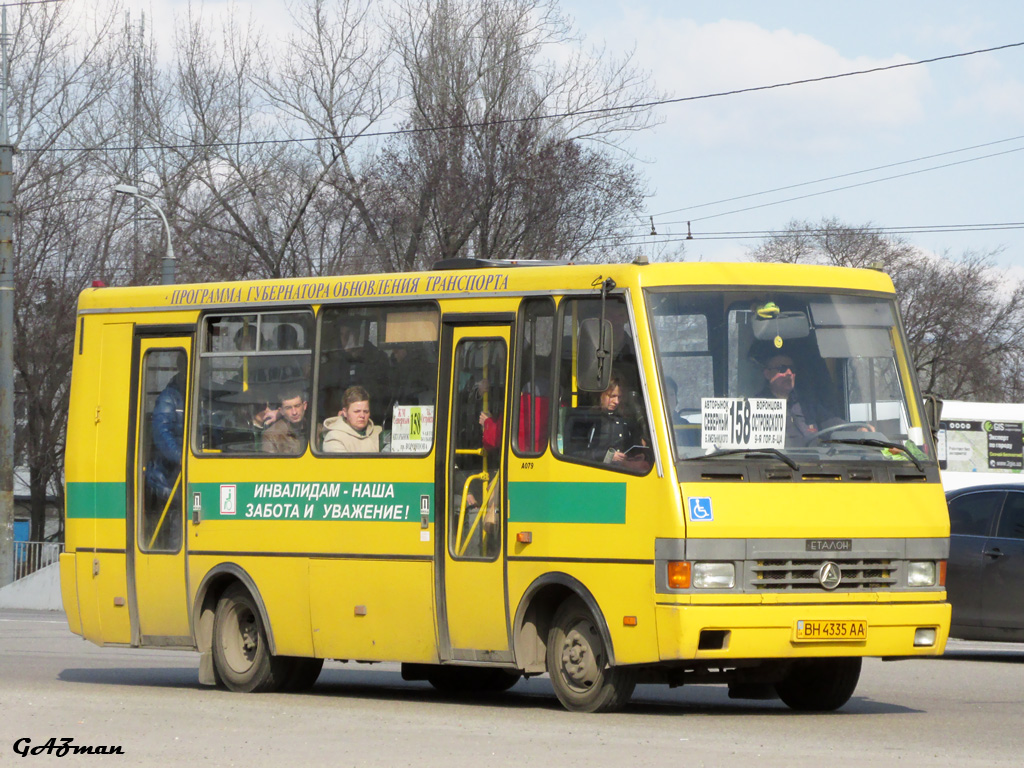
(236, 192)
(331, 83)
(964, 318)
(281, 160)
(509, 154)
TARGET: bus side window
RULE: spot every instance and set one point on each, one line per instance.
(533, 376)
(165, 374)
(249, 363)
(606, 428)
(391, 353)
(474, 526)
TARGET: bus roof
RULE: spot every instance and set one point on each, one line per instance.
(484, 282)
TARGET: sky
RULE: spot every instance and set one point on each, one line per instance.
(732, 148)
(716, 149)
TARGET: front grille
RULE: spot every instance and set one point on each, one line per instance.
(803, 574)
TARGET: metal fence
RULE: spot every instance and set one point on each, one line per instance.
(30, 556)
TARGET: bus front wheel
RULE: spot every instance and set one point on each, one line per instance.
(241, 653)
(577, 663)
(819, 685)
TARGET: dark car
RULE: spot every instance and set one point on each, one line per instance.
(985, 576)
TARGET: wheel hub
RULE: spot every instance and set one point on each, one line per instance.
(240, 647)
(248, 640)
(580, 667)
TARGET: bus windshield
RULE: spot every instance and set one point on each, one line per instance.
(819, 377)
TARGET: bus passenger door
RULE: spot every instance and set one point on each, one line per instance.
(157, 588)
(473, 620)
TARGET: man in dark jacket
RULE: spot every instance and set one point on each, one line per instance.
(168, 430)
(805, 416)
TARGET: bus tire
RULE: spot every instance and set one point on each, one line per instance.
(303, 673)
(578, 663)
(241, 654)
(819, 685)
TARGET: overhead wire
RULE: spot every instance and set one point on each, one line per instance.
(528, 118)
(763, 234)
(844, 175)
(31, 2)
(834, 189)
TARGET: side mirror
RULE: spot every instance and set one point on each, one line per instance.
(594, 355)
(933, 412)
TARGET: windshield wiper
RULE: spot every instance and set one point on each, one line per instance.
(746, 452)
(876, 442)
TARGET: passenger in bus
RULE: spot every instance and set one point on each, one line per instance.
(168, 430)
(352, 430)
(490, 441)
(613, 437)
(489, 421)
(287, 435)
(805, 414)
(487, 437)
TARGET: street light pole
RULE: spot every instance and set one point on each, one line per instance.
(167, 267)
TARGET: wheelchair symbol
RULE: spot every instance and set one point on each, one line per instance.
(700, 509)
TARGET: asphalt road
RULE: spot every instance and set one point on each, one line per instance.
(965, 709)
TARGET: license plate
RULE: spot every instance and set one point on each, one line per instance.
(808, 629)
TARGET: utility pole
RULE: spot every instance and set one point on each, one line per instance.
(6, 327)
(137, 42)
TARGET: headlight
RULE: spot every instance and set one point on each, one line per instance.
(714, 575)
(924, 637)
(921, 574)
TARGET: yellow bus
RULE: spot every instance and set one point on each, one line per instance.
(680, 473)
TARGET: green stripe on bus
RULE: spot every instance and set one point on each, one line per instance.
(96, 500)
(600, 503)
(603, 503)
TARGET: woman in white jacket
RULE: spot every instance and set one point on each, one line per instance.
(352, 430)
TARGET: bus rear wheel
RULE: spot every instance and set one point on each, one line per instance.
(241, 653)
(819, 685)
(577, 663)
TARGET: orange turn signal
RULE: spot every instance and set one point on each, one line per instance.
(679, 574)
(629, 621)
(942, 573)
(524, 537)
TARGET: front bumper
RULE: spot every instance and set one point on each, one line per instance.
(688, 632)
